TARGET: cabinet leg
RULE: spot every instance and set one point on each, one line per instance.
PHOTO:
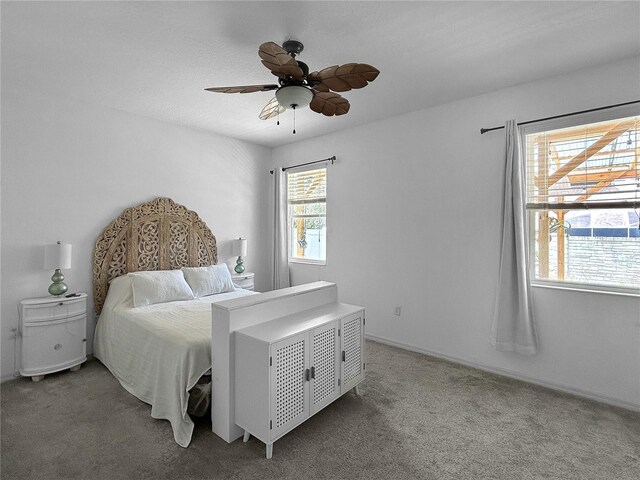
(75, 369)
(356, 390)
(246, 437)
(37, 378)
(269, 450)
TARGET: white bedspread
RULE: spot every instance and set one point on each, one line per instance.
(158, 352)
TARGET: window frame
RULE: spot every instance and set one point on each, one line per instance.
(306, 168)
(554, 124)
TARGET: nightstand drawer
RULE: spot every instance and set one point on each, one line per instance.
(63, 308)
(244, 282)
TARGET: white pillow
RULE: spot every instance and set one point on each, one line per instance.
(209, 280)
(158, 287)
(119, 292)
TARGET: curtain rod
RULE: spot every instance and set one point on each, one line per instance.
(485, 130)
(330, 159)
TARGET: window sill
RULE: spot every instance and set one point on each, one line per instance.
(308, 262)
(576, 287)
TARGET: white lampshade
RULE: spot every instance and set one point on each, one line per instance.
(57, 256)
(294, 95)
(239, 247)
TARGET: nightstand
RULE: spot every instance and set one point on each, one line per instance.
(243, 280)
(54, 334)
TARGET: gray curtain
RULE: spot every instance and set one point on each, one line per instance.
(513, 326)
(280, 252)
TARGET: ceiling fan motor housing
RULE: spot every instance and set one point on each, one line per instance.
(304, 67)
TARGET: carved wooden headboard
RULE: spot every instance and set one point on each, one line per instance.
(158, 235)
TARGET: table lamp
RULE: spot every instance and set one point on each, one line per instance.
(239, 248)
(57, 256)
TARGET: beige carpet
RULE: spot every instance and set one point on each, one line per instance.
(417, 418)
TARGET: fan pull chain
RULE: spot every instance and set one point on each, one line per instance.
(278, 123)
(294, 119)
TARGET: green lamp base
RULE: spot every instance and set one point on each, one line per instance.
(239, 265)
(58, 287)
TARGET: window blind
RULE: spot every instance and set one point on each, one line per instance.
(308, 186)
(587, 166)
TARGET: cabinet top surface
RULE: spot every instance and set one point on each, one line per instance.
(261, 298)
(52, 299)
(283, 327)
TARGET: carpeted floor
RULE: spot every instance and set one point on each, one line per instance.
(417, 418)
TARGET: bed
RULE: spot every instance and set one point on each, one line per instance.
(160, 330)
(156, 342)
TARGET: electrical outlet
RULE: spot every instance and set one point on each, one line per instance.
(397, 310)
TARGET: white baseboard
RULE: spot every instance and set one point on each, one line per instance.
(510, 374)
(8, 377)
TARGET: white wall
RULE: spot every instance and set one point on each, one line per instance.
(69, 168)
(400, 233)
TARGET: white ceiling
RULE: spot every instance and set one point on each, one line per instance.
(156, 58)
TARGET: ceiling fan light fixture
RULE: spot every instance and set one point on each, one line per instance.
(294, 95)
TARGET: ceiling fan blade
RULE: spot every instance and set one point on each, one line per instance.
(320, 87)
(276, 59)
(243, 89)
(329, 104)
(271, 109)
(342, 78)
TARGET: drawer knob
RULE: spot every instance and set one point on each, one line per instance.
(61, 303)
(57, 346)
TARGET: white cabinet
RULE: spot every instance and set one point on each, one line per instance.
(292, 367)
(53, 331)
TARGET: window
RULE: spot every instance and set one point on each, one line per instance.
(583, 199)
(307, 215)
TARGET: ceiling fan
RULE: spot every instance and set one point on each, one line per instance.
(298, 88)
